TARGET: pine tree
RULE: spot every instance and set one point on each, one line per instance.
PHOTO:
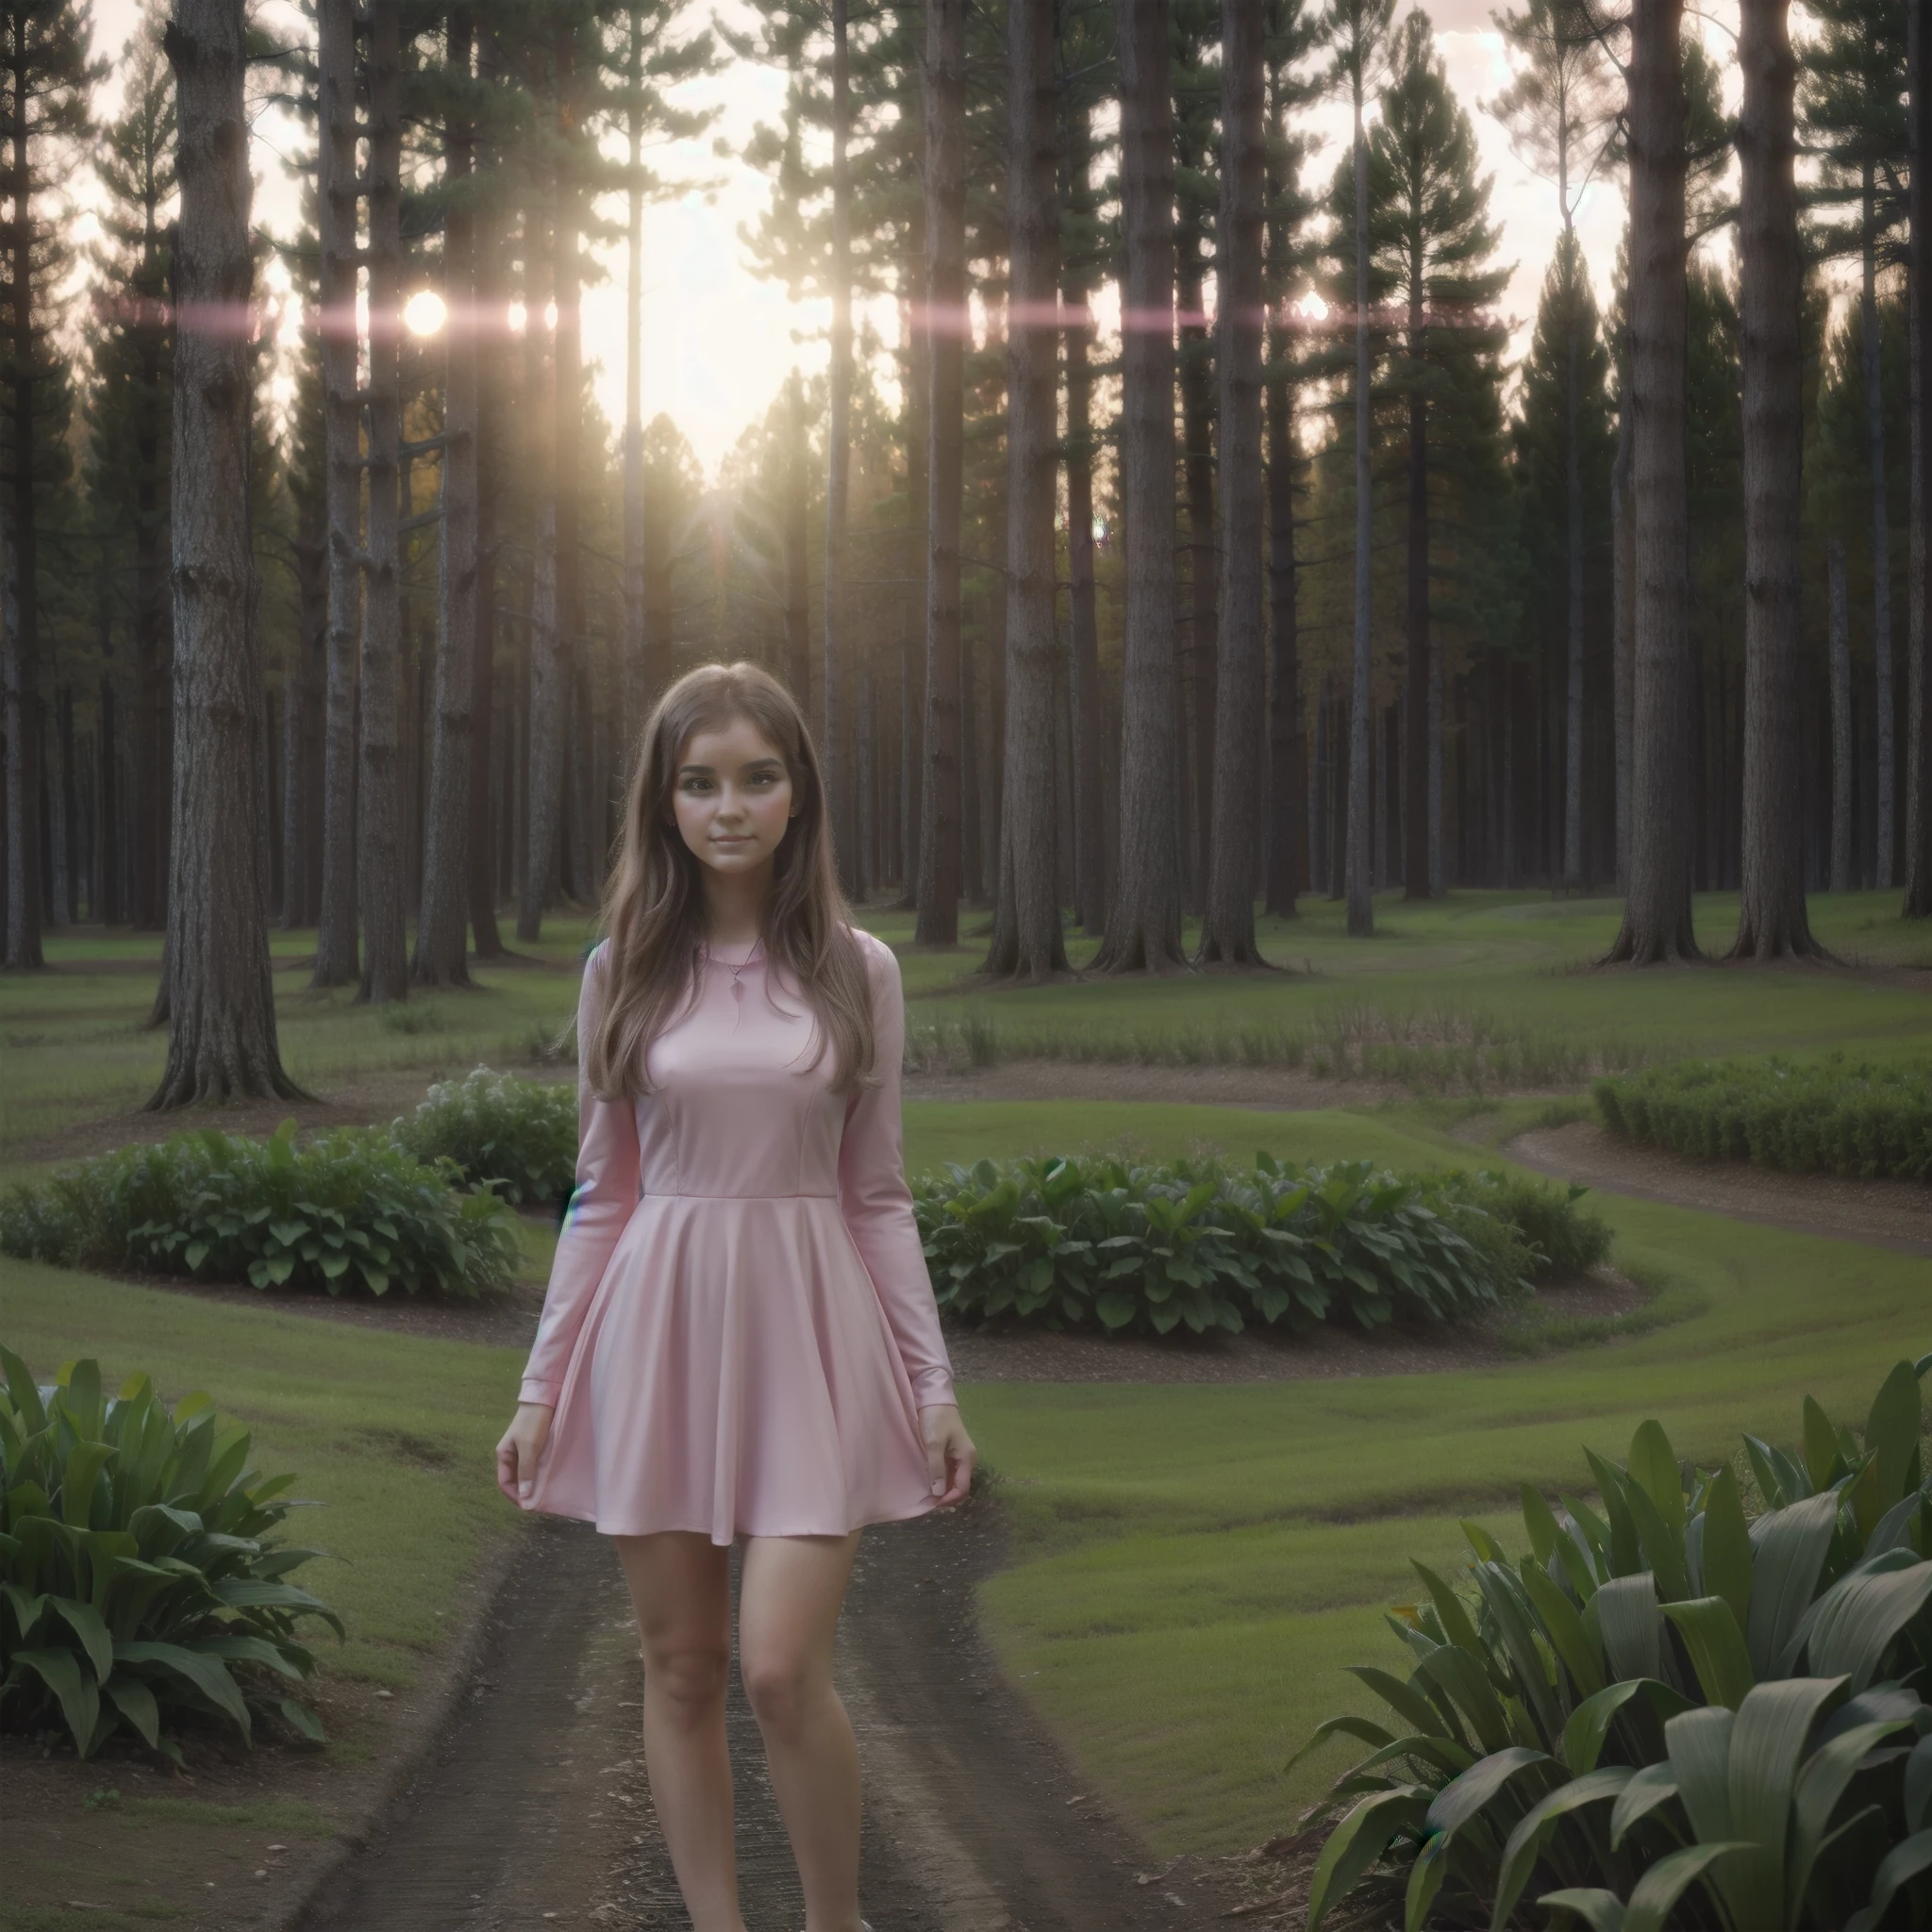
(1918, 898)
(44, 81)
(129, 407)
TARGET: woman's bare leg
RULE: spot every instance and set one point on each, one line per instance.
(790, 1589)
(680, 1585)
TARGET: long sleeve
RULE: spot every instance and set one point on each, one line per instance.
(875, 1201)
(601, 1203)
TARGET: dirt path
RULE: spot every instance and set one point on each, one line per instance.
(534, 1809)
(1884, 1214)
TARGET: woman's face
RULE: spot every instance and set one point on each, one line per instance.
(731, 797)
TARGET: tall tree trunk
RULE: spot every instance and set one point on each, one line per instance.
(487, 275)
(1656, 909)
(1361, 910)
(336, 196)
(639, 693)
(1227, 933)
(1195, 689)
(222, 1034)
(797, 610)
(549, 688)
(1288, 841)
(1622, 617)
(834, 745)
(1572, 485)
(1918, 899)
(378, 831)
(441, 956)
(25, 880)
(912, 550)
(1143, 927)
(1771, 921)
(1035, 948)
(1838, 651)
(1887, 751)
(583, 772)
(1415, 844)
(941, 805)
(1082, 682)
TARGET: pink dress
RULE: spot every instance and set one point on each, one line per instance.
(740, 1330)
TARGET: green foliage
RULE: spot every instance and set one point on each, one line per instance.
(1542, 1217)
(350, 1210)
(138, 1576)
(1867, 1118)
(1100, 1241)
(519, 1136)
(1663, 1696)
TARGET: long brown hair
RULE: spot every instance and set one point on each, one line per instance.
(654, 903)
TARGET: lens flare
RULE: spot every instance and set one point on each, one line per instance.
(425, 314)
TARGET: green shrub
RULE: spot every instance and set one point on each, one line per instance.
(139, 1575)
(517, 1136)
(1829, 1116)
(1543, 1217)
(348, 1210)
(1664, 1696)
(1148, 1248)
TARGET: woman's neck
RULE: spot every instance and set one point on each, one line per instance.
(734, 905)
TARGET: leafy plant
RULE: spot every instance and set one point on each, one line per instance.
(1833, 1116)
(348, 1210)
(1666, 1707)
(519, 1136)
(1152, 1247)
(139, 1575)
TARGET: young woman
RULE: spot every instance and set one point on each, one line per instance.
(739, 1340)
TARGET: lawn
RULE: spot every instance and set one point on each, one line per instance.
(1482, 986)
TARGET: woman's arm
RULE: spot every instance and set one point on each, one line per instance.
(601, 1203)
(875, 1201)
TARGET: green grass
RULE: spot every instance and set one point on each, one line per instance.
(1226, 1551)
(394, 1434)
(1483, 988)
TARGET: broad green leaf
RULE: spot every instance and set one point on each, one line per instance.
(1905, 1862)
(1358, 1840)
(1855, 1623)
(85, 1463)
(1661, 1545)
(1408, 1703)
(1601, 1910)
(1562, 1623)
(1918, 1792)
(1891, 1430)
(1699, 1743)
(1821, 1780)
(1655, 1894)
(86, 1624)
(1540, 1520)
(1821, 1447)
(1463, 1681)
(1627, 1620)
(1455, 1624)
(1716, 1646)
(1728, 1545)
(28, 1605)
(1767, 1745)
(137, 1703)
(302, 1719)
(208, 1675)
(1589, 1722)
(1787, 1552)
(1344, 1726)
(1653, 1469)
(1426, 1877)
(78, 1695)
(1466, 1795)
(1652, 1786)
(1538, 1826)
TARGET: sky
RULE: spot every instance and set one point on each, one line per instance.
(719, 341)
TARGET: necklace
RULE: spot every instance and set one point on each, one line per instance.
(737, 982)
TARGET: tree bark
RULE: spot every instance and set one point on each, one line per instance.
(1657, 909)
(797, 610)
(1144, 929)
(1838, 653)
(441, 930)
(1415, 853)
(222, 1035)
(833, 748)
(1035, 948)
(1886, 759)
(1572, 485)
(1083, 678)
(379, 832)
(1771, 921)
(1227, 933)
(336, 197)
(1917, 896)
(1361, 910)
(912, 551)
(1623, 615)
(549, 690)
(638, 691)
(941, 804)
(1195, 688)
(493, 306)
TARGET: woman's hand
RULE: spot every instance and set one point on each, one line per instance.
(949, 1453)
(523, 1443)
